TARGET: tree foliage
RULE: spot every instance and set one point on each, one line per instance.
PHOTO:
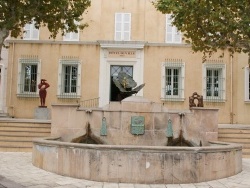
(210, 25)
(56, 15)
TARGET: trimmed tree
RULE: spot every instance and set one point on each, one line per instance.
(56, 15)
(210, 25)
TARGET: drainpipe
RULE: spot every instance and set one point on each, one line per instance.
(231, 106)
(11, 78)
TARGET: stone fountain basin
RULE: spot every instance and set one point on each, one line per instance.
(138, 164)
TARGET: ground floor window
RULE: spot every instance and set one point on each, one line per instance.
(69, 79)
(173, 80)
(214, 82)
(29, 75)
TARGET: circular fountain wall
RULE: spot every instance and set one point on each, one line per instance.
(135, 134)
(138, 164)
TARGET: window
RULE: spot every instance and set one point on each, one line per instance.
(69, 79)
(173, 81)
(247, 84)
(72, 36)
(214, 82)
(122, 26)
(172, 34)
(29, 75)
(31, 33)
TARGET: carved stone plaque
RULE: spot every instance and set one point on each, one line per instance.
(137, 125)
(103, 131)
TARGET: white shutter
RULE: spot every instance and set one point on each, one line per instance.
(118, 26)
(126, 26)
(122, 26)
(172, 34)
(35, 32)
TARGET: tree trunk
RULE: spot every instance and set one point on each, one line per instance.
(4, 33)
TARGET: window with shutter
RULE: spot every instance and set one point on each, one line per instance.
(30, 32)
(122, 26)
(172, 34)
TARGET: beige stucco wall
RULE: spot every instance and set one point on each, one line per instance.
(50, 54)
(147, 26)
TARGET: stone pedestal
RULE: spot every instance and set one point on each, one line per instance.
(42, 113)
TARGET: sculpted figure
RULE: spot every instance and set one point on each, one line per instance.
(42, 91)
(199, 99)
(126, 85)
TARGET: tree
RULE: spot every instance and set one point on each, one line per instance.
(56, 15)
(210, 25)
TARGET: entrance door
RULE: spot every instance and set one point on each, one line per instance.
(114, 71)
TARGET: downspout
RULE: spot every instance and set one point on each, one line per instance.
(231, 106)
(11, 78)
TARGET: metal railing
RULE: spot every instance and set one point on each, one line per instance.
(27, 90)
(90, 103)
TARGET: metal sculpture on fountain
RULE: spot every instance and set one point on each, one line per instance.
(125, 84)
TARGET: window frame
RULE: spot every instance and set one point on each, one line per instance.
(21, 74)
(221, 89)
(174, 32)
(61, 73)
(181, 81)
(31, 28)
(247, 84)
(122, 23)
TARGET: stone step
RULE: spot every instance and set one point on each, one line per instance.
(246, 155)
(246, 150)
(17, 138)
(4, 115)
(231, 130)
(16, 135)
(25, 133)
(24, 129)
(235, 140)
(23, 124)
(16, 144)
(234, 135)
(15, 149)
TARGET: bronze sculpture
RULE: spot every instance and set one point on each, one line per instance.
(199, 99)
(42, 91)
(126, 85)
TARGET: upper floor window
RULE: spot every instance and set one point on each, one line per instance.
(30, 32)
(214, 82)
(29, 74)
(173, 81)
(172, 34)
(72, 36)
(122, 26)
(247, 84)
(69, 78)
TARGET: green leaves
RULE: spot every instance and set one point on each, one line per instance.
(55, 14)
(211, 24)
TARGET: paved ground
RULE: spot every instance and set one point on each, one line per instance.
(17, 171)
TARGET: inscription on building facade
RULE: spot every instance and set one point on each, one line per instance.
(122, 53)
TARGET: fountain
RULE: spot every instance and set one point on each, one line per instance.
(137, 141)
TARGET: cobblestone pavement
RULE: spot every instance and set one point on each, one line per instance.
(17, 171)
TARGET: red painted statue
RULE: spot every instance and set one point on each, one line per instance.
(42, 91)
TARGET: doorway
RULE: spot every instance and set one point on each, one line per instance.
(114, 71)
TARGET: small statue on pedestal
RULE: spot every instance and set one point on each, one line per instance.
(42, 92)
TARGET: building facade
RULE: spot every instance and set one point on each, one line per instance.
(129, 36)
